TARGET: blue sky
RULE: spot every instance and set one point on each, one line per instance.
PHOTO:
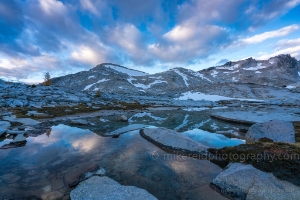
(67, 36)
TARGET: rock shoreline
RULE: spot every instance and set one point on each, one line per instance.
(240, 181)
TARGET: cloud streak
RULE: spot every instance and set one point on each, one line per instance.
(270, 34)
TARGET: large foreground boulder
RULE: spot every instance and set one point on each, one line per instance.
(104, 188)
(172, 140)
(276, 130)
(239, 181)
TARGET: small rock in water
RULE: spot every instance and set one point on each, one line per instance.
(124, 118)
(100, 172)
(19, 138)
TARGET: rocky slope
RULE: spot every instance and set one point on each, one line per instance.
(279, 71)
(128, 85)
(112, 78)
(21, 95)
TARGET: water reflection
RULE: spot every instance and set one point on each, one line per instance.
(213, 140)
(47, 164)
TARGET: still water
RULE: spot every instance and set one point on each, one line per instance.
(48, 163)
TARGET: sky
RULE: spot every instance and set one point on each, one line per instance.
(68, 36)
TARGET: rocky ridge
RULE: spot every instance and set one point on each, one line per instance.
(279, 71)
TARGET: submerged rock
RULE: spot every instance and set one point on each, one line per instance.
(239, 181)
(276, 130)
(104, 188)
(172, 140)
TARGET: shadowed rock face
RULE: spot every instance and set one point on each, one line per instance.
(278, 131)
(103, 188)
(239, 181)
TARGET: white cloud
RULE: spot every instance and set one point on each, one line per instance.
(85, 144)
(126, 36)
(187, 41)
(12, 63)
(180, 33)
(87, 55)
(287, 43)
(27, 69)
(291, 47)
(270, 34)
(94, 7)
(52, 6)
(128, 41)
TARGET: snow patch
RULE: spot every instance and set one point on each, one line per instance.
(184, 77)
(258, 66)
(234, 79)
(214, 74)
(233, 132)
(208, 97)
(144, 114)
(140, 85)
(257, 72)
(129, 72)
(195, 109)
(103, 120)
(214, 126)
(290, 87)
(100, 81)
(185, 121)
(91, 77)
(200, 75)
(229, 68)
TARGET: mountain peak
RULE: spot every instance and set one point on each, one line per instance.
(118, 69)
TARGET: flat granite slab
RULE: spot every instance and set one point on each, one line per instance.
(252, 117)
(172, 140)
